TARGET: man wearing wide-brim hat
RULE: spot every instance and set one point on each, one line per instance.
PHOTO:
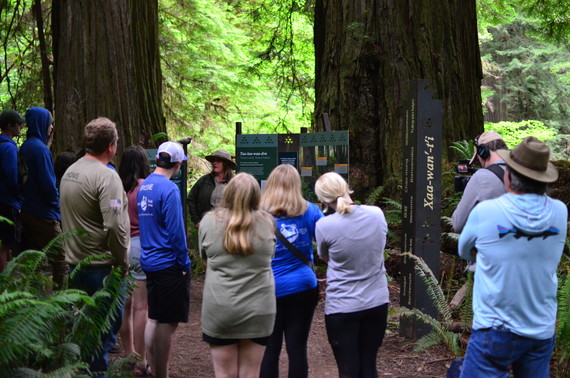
(519, 238)
(208, 191)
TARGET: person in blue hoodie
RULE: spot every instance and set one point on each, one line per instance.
(10, 198)
(517, 242)
(41, 220)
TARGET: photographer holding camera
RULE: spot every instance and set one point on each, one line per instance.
(486, 183)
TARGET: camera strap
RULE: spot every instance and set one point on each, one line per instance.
(497, 170)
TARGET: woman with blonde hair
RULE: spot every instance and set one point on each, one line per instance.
(352, 242)
(238, 307)
(295, 281)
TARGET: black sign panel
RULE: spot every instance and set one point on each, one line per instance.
(421, 200)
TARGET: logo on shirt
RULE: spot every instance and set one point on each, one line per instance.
(290, 232)
(144, 203)
(504, 231)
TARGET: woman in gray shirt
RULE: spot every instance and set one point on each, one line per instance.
(352, 242)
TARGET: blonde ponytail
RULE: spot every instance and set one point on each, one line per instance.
(330, 188)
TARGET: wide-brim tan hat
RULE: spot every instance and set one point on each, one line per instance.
(224, 156)
(531, 158)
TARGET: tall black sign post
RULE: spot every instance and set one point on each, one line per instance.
(421, 201)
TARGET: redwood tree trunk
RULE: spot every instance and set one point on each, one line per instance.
(367, 54)
(106, 63)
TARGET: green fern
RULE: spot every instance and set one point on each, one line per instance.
(438, 331)
(47, 333)
(463, 148)
(562, 351)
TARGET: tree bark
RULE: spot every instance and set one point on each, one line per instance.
(106, 62)
(367, 54)
(46, 71)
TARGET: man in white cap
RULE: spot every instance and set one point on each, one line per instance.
(164, 256)
(519, 238)
(486, 183)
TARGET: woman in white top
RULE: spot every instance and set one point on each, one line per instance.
(352, 242)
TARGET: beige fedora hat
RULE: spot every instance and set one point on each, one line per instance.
(531, 158)
(224, 156)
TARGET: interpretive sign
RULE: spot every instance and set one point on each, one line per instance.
(311, 153)
(288, 149)
(320, 153)
(421, 201)
(256, 154)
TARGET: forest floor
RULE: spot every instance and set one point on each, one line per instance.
(191, 356)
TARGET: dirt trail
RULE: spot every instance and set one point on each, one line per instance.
(191, 356)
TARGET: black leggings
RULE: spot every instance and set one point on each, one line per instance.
(293, 319)
(355, 339)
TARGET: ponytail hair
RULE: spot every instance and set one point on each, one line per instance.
(331, 188)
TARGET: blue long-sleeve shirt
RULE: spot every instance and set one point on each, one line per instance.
(161, 222)
(40, 195)
(519, 241)
(9, 186)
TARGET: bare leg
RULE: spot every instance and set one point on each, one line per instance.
(161, 348)
(126, 330)
(225, 360)
(140, 311)
(250, 356)
(149, 332)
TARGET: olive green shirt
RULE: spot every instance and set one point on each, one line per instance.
(239, 291)
(92, 198)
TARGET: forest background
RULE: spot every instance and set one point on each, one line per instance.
(253, 61)
(264, 63)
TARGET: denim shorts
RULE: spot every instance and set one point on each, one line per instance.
(135, 259)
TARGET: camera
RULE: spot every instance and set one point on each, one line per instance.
(465, 173)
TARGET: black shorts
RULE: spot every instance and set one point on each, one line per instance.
(216, 341)
(168, 295)
(9, 233)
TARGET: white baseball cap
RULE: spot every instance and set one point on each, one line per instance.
(174, 150)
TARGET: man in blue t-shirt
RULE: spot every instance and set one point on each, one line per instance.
(10, 197)
(164, 256)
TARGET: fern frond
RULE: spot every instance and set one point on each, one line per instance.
(95, 319)
(448, 221)
(53, 248)
(450, 339)
(432, 286)
(375, 196)
(426, 342)
(463, 148)
(451, 235)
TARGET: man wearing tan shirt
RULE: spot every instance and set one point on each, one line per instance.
(92, 198)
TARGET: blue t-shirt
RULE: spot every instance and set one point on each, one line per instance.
(161, 222)
(291, 274)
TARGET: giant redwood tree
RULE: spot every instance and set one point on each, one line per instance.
(106, 63)
(367, 54)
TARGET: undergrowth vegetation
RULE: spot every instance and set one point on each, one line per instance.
(52, 333)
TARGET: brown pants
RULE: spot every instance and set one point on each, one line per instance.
(37, 233)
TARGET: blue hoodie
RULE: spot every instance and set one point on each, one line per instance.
(9, 186)
(519, 239)
(38, 178)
